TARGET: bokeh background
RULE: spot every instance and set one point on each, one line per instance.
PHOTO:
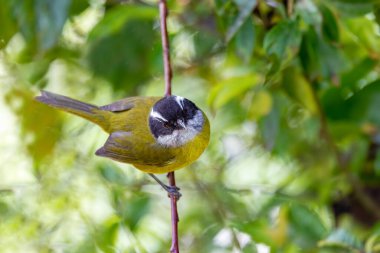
(292, 90)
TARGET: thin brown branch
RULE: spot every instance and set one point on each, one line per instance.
(165, 47)
(290, 7)
(174, 213)
(168, 90)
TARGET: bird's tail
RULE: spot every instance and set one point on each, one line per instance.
(84, 110)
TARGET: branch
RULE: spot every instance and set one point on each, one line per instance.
(165, 48)
(168, 90)
(289, 7)
(173, 202)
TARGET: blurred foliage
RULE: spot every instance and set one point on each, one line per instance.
(292, 89)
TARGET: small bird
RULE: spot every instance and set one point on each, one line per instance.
(155, 134)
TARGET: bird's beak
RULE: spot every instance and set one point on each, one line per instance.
(181, 123)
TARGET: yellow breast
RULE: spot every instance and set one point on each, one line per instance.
(184, 155)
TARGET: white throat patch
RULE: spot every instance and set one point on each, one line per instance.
(177, 138)
(183, 136)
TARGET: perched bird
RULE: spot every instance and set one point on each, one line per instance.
(155, 134)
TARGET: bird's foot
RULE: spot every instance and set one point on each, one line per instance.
(173, 191)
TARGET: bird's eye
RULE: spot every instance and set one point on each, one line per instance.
(185, 114)
(166, 125)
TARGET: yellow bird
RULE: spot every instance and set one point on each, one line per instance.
(155, 134)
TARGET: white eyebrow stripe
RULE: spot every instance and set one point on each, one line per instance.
(157, 115)
(179, 101)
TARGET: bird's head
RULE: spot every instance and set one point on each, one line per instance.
(175, 120)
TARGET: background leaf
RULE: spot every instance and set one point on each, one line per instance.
(291, 90)
(342, 239)
(284, 36)
(245, 40)
(126, 65)
(245, 8)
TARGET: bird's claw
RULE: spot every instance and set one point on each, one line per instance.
(173, 191)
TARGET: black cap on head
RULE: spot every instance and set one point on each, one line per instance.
(171, 113)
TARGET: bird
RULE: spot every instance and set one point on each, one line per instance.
(154, 134)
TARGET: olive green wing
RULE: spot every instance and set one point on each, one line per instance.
(127, 148)
(128, 103)
(121, 105)
(129, 114)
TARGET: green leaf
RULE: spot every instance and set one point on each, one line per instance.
(333, 104)
(363, 106)
(51, 16)
(332, 61)
(309, 13)
(274, 73)
(119, 57)
(306, 226)
(373, 243)
(249, 248)
(329, 24)
(269, 125)
(34, 71)
(341, 239)
(359, 71)
(78, 6)
(281, 38)
(106, 236)
(7, 23)
(344, 130)
(309, 53)
(245, 40)
(221, 5)
(299, 89)
(363, 30)
(115, 20)
(319, 58)
(112, 173)
(376, 11)
(135, 208)
(359, 156)
(257, 229)
(354, 8)
(261, 104)
(230, 89)
(25, 15)
(4, 209)
(41, 21)
(245, 10)
(205, 44)
(43, 142)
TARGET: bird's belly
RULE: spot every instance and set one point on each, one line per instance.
(183, 156)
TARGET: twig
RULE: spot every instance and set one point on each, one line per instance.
(173, 202)
(289, 7)
(168, 90)
(165, 47)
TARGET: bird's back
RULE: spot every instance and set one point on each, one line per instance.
(130, 114)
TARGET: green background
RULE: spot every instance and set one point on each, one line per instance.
(292, 91)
